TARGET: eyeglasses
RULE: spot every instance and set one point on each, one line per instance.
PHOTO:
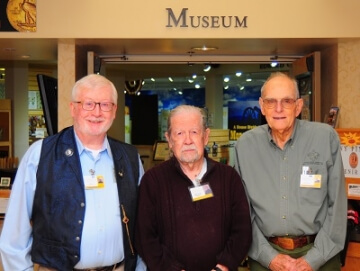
(90, 105)
(285, 103)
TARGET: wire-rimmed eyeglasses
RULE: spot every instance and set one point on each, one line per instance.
(90, 105)
(285, 103)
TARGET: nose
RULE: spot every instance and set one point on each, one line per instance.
(97, 108)
(188, 139)
(278, 106)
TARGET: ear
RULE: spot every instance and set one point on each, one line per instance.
(167, 136)
(114, 111)
(299, 106)
(261, 103)
(72, 109)
(206, 136)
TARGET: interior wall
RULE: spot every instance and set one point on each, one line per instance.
(125, 19)
(16, 86)
(349, 84)
(329, 79)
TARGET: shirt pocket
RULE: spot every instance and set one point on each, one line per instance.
(311, 195)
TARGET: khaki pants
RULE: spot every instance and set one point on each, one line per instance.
(42, 268)
(333, 264)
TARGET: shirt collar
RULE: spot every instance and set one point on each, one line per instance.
(105, 146)
(291, 139)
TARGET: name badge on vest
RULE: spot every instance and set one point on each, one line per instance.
(94, 182)
(200, 192)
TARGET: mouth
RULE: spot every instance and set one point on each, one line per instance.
(95, 120)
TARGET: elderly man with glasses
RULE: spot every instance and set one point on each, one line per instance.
(294, 177)
(74, 199)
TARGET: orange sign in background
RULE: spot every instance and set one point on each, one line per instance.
(350, 152)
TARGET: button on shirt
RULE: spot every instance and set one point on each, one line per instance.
(279, 205)
(101, 240)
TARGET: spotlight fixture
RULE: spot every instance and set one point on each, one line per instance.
(274, 61)
(207, 67)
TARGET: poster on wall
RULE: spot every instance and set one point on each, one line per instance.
(350, 151)
(243, 116)
(18, 16)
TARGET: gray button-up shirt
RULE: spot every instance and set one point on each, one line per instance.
(281, 204)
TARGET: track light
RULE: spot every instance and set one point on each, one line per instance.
(207, 68)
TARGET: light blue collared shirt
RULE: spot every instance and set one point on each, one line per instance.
(102, 241)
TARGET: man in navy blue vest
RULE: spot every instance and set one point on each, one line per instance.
(74, 198)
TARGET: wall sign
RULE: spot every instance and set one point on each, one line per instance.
(350, 152)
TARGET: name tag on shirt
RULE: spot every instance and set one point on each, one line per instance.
(200, 192)
(94, 182)
(310, 181)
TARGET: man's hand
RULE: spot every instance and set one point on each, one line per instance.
(302, 265)
(282, 263)
(285, 263)
(221, 267)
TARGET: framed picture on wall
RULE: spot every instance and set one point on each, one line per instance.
(161, 151)
(5, 181)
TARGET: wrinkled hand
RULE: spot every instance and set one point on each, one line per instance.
(282, 263)
(285, 263)
(302, 265)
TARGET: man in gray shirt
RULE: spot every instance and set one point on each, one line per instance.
(293, 173)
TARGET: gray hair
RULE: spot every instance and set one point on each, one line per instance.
(93, 81)
(187, 108)
(284, 75)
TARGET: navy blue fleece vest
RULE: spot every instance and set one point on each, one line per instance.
(59, 203)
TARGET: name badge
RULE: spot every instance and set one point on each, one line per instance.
(201, 192)
(94, 182)
(310, 181)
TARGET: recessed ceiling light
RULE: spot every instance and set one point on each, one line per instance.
(204, 48)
